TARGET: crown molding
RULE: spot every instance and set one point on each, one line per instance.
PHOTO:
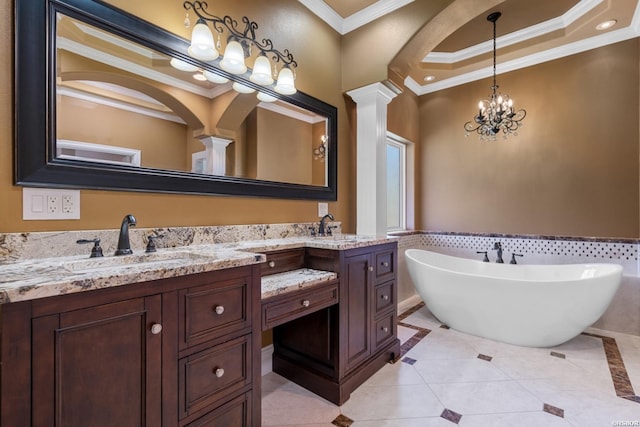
(519, 36)
(357, 20)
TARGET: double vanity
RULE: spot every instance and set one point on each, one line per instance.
(174, 338)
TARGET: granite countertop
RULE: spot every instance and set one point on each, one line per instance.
(44, 277)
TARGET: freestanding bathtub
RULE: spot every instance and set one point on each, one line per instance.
(529, 305)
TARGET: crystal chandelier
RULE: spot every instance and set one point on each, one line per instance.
(496, 113)
(239, 45)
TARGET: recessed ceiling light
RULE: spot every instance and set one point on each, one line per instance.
(429, 78)
(606, 24)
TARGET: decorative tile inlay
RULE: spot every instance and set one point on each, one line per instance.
(415, 339)
(409, 361)
(621, 381)
(450, 415)
(409, 312)
(342, 421)
(485, 357)
(444, 327)
(553, 410)
(560, 355)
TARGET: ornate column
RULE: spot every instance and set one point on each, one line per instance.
(371, 147)
(215, 154)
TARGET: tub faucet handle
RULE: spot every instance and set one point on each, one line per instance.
(486, 257)
(513, 258)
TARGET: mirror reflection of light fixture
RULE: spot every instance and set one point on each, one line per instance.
(266, 97)
(240, 43)
(320, 152)
(497, 113)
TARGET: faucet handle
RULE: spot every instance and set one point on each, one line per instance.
(312, 231)
(486, 257)
(96, 251)
(329, 228)
(513, 258)
(151, 242)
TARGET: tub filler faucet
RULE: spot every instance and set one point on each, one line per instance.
(124, 247)
(497, 246)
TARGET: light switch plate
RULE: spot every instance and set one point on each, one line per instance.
(323, 209)
(45, 203)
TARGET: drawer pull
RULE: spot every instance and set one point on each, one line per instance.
(385, 264)
(370, 268)
(305, 303)
(272, 264)
(384, 329)
(156, 328)
(385, 297)
(219, 309)
(219, 372)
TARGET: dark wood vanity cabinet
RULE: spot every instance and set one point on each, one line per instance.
(173, 352)
(331, 352)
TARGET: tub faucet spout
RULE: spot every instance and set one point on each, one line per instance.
(124, 247)
(497, 246)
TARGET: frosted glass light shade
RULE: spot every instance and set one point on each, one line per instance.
(202, 46)
(240, 88)
(265, 97)
(261, 71)
(181, 65)
(215, 78)
(285, 84)
(233, 60)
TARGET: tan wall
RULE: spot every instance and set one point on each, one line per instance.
(289, 25)
(573, 170)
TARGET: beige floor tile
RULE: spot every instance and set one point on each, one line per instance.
(392, 402)
(458, 370)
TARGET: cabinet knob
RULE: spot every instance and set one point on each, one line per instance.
(371, 268)
(385, 297)
(384, 329)
(219, 372)
(272, 264)
(156, 328)
(385, 264)
(305, 303)
(219, 309)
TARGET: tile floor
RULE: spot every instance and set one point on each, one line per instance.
(447, 378)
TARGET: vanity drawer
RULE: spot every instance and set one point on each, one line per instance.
(212, 374)
(385, 329)
(234, 413)
(284, 308)
(385, 264)
(211, 311)
(385, 296)
(280, 261)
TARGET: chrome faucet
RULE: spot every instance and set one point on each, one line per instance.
(124, 247)
(323, 230)
(497, 246)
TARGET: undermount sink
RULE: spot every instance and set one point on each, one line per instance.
(156, 259)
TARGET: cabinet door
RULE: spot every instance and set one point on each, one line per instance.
(99, 366)
(357, 303)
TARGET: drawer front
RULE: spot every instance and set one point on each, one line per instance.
(385, 329)
(234, 413)
(299, 303)
(209, 312)
(385, 264)
(280, 261)
(213, 374)
(385, 296)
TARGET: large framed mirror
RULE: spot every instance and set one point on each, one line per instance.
(105, 100)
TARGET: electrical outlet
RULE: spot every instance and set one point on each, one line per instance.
(323, 209)
(44, 203)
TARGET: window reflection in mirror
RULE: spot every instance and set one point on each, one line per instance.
(122, 103)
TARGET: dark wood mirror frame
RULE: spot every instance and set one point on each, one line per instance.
(35, 98)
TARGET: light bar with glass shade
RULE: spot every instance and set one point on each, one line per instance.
(241, 42)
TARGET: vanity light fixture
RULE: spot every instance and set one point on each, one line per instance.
(240, 43)
(320, 152)
(497, 113)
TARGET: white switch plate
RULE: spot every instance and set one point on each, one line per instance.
(45, 203)
(323, 209)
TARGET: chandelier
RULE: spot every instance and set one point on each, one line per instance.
(239, 45)
(496, 113)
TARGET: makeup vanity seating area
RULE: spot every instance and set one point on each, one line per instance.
(174, 337)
